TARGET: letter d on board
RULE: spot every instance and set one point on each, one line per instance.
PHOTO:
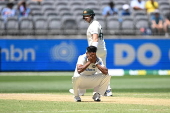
(119, 58)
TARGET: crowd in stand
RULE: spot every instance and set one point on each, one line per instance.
(159, 22)
(9, 11)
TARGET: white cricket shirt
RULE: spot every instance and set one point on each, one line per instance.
(138, 4)
(91, 69)
(95, 28)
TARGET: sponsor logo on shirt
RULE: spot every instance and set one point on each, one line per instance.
(90, 69)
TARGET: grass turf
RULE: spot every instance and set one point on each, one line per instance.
(20, 106)
(126, 86)
(54, 84)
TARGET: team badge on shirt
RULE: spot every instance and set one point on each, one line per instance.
(93, 66)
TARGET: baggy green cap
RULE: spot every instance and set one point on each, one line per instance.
(88, 12)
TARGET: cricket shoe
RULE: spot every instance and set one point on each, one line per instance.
(108, 92)
(96, 97)
(72, 92)
(77, 99)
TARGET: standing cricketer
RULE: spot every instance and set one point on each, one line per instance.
(95, 38)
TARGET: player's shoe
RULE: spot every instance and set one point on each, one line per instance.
(72, 92)
(77, 99)
(108, 92)
(96, 97)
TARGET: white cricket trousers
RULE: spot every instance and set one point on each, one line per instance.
(98, 82)
(102, 54)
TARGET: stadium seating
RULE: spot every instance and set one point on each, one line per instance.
(48, 8)
(61, 3)
(47, 3)
(69, 25)
(141, 22)
(119, 4)
(54, 26)
(91, 3)
(35, 8)
(41, 26)
(53, 17)
(76, 4)
(82, 26)
(113, 25)
(127, 26)
(51, 14)
(32, 3)
(12, 26)
(37, 13)
(26, 26)
(2, 27)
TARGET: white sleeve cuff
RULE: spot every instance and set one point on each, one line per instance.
(95, 44)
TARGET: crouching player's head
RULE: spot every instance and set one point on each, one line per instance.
(91, 52)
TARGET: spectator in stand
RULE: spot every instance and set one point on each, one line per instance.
(110, 10)
(151, 5)
(23, 9)
(125, 11)
(8, 11)
(167, 24)
(157, 21)
(137, 4)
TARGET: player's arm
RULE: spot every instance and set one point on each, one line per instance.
(160, 22)
(95, 40)
(95, 33)
(95, 37)
(136, 8)
(154, 23)
(103, 69)
(81, 68)
(99, 64)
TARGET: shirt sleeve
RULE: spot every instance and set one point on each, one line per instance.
(101, 62)
(116, 10)
(143, 5)
(81, 60)
(153, 17)
(146, 5)
(13, 12)
(156, 4)
(2, 12)
(94, 28)
(132, 4)
(105, 11)
(161, 18)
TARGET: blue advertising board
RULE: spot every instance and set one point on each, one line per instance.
(62, 54)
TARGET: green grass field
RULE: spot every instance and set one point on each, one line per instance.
(131, 94)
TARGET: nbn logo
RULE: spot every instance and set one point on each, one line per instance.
(16, 54)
